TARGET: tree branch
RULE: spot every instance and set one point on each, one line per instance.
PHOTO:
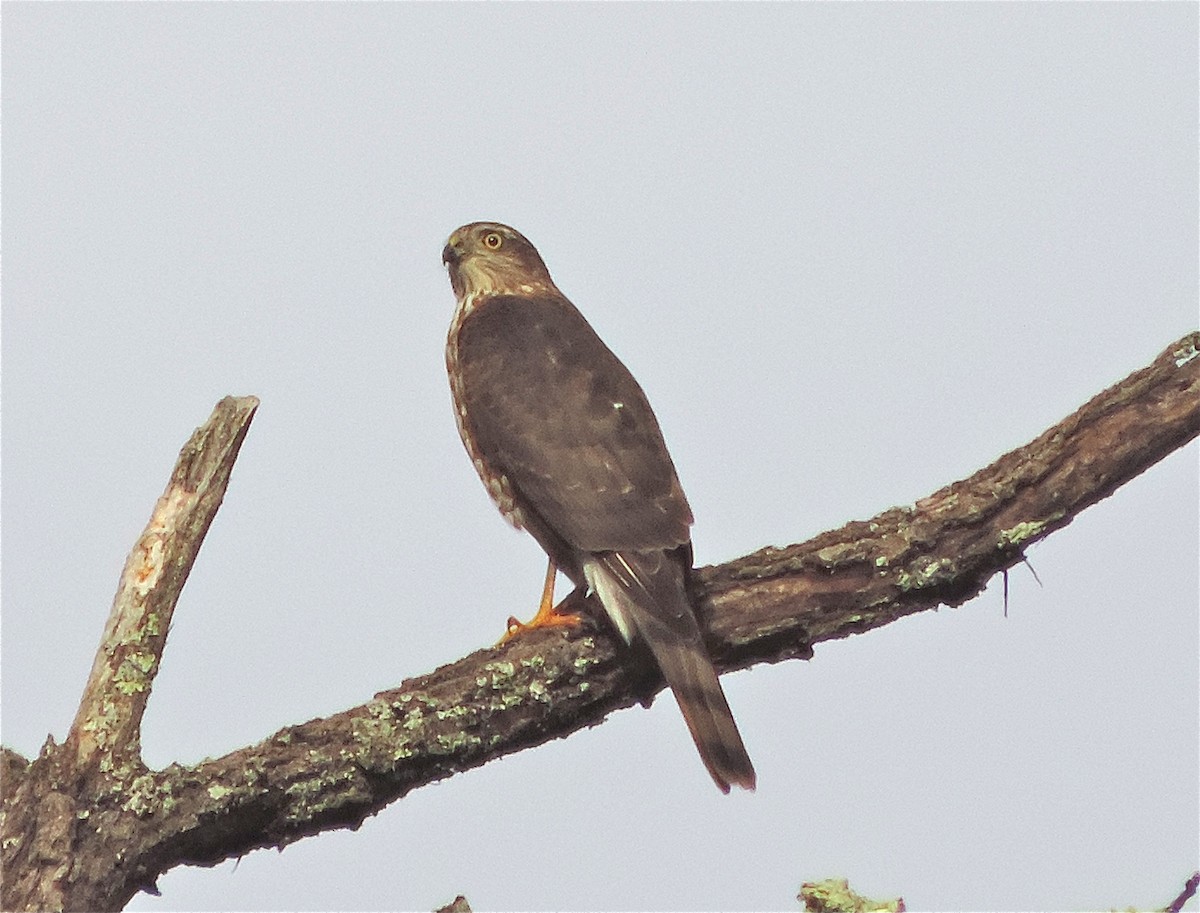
(1188, 892)
(768, 606)
(51, 860)
(944, 549)
(108, 723)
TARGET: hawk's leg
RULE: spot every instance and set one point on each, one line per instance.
(547, 614)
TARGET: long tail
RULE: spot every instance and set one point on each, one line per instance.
(644, 594)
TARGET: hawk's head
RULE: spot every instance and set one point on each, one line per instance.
(487, 258)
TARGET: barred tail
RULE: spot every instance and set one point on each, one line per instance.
(644, 594)
(694, 682)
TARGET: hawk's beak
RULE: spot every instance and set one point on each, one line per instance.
(452, 253)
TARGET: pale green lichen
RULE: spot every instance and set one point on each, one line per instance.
(580, 663)
(142, 660)
(311, 797)
(366, 730)
(511, 685)
(145, 796)
(833, 555)
(390, 729)
(452, 742)
(506, 701)
(926, 574)
(380, 743)
(381, 710)
(1015, 535)
(833, 895)
(501, 671)
(133, 673)
(121, 772)
(101, 726)
(418, 697)
(218, 792)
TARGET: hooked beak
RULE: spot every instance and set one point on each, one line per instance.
(452, 252)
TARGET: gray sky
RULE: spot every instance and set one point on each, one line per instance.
(852, 252)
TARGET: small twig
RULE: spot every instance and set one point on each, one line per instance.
(1025, 561)
(1004, 573)
(1188, 892)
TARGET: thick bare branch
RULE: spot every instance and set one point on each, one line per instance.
(768, 606)
(765, 607)
(944, 549)
(110, 713)
(49, 861)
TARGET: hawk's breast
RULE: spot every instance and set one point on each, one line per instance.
(495, 481)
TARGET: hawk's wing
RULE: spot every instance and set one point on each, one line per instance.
(550, 407)
(553, 409)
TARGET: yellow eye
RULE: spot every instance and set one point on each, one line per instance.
(492, 240)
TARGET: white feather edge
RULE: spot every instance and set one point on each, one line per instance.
(612, 596)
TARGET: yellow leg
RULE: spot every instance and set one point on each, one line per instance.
(547, 614)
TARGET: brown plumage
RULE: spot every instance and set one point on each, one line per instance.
(568, 447)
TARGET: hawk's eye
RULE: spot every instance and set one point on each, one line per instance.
(492, 240)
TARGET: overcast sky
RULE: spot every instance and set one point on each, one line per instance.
(852, 253)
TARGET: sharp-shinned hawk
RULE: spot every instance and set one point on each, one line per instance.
(568, 447)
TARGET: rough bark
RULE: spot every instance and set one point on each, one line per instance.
(86, 824)
(68, 829)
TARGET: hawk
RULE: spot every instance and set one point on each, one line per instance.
(569, 449)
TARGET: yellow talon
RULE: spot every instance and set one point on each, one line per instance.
(547, 615)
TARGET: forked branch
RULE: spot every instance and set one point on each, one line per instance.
(86, 825)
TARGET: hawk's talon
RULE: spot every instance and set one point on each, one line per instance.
(551, 619)
(548, 614)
